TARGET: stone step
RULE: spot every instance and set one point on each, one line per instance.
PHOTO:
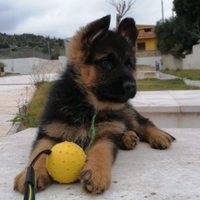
(170, 109)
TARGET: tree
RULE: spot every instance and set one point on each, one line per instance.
(173, 37)
(177, 35)
(122, 7)
(189, 12)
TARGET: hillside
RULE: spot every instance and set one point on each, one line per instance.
(27, 42)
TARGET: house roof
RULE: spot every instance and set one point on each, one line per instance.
(146, 35)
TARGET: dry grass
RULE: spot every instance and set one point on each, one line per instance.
(35, 107)
(153, 84)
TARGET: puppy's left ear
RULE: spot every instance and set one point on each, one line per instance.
(96, 29)
(127, 28)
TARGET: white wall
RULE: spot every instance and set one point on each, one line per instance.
(149, 61)
(192, 61)
(172, 63)
(21, 65)
(62, 63)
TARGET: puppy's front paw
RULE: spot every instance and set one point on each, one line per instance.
(19, 182)
(42, 180)
(129, 140)
(95, 181)
(161, 140)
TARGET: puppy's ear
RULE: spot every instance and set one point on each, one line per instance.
(127, 28)
(96, 29)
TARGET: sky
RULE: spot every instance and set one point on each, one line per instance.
(62, 18)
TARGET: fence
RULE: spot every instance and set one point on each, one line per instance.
(25, 53)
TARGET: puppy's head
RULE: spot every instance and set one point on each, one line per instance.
(105, 62)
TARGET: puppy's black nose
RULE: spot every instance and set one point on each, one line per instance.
(130, 88)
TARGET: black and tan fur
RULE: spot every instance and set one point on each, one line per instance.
(99, 78)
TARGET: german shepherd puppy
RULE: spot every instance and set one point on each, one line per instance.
(99, 80)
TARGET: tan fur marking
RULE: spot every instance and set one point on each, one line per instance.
(77, 55)
(88, 76)
(66, 133)
(100, 105)
(131, 121)
(105, 54)
(107, 128)
(42, 178)
(96, 174)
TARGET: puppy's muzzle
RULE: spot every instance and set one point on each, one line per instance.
(130, 89)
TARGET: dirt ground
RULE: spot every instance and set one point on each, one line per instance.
(145, 68)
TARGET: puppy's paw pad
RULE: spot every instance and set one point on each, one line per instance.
(94, 182)
(42, 180)
(19, 182)
(162, 141)
(129, 140)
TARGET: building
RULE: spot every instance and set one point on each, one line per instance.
(146, 40)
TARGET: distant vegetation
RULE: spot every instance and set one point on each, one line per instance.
(178, 34)
(47, 45)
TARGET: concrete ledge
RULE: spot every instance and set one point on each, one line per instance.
(14, 128)
(170, 109)
(167, 101)
(143, 173)
(192, 82)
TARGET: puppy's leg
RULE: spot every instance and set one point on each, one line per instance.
(129, 140)
(42, 178)
(156, 138)
(96, 174)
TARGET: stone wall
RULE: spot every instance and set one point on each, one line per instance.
(191, 61)
(171, 63)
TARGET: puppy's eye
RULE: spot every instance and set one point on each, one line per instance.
(129, 65)
(106, 64)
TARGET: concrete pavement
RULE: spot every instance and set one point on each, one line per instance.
(15, 91)
(143, 173)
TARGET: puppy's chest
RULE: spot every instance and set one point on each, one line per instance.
(107, 128)
(104, 125)
(109, 123)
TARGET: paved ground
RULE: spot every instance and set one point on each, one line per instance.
(14, 91)
(143, 173)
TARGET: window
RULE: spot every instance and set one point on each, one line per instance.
(141, 46)
(147, 30)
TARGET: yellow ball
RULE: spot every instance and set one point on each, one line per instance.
(65, 162)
